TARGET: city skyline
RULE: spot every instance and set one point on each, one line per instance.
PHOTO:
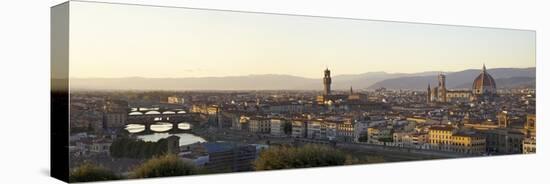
(505, 77)
(159, 91)
(160, 42)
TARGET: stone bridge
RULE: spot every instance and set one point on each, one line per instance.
(193, 119)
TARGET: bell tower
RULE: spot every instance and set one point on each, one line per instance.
(327, 81)
(442, 88)
(429, 95)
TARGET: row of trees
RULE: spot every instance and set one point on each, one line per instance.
(277, 157)
(131, 148)
(168, 165)
(287, 157)
(161, 166)
(91, 172)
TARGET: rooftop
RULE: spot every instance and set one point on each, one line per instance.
(212, 147)
(444, 128)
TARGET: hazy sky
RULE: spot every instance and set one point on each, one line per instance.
(108, 40)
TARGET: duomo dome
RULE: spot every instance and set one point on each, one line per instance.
(484, 84)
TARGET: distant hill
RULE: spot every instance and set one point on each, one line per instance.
(512, 82)
(369, 80)
(365, 80)
(505, 78)
(249, 82)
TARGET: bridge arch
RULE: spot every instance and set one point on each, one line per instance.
(135, 113)
(161, 126)
(135, 128)
(184, 125)
(152, 112)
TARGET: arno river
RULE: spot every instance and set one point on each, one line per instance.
(185, 138)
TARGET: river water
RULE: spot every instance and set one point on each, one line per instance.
(185, 138)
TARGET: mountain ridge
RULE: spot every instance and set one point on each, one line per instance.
(367, 80)
(461, 79)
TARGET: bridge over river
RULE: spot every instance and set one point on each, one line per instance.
(156, 117)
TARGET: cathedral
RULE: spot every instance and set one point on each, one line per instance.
(483, 88)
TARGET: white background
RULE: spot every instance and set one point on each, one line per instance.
(24, 90)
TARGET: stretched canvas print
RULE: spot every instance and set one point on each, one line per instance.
(148, 91)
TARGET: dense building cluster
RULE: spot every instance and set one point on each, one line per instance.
(483, 120)
(476, 121)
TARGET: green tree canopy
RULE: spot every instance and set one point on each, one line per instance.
(167, 165)
(287, 128)
(89, 172)
(125, 147)
(285, 157)
(364, 137)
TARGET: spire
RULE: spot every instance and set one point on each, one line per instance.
(428, 85)
(351, 90)
(484, 68)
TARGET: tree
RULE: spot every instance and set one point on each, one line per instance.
(287, 128)
(364, 137)
(89, 172)
(385, 140)
(124, 147)
(167, 165)
(285, 157)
